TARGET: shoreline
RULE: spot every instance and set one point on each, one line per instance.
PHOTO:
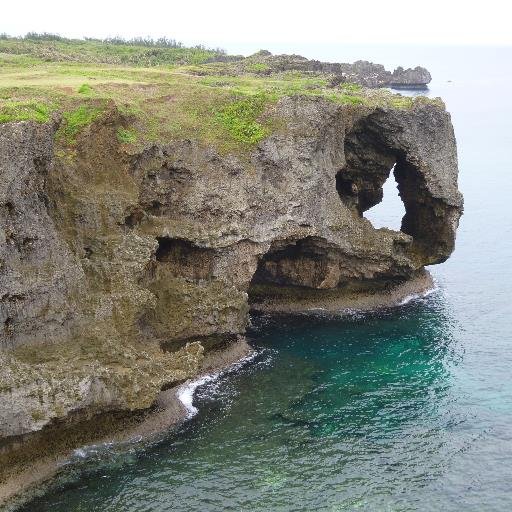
(170, 412)
(418, 286)
(174, 406)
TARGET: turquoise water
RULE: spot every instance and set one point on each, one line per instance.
(402, 410)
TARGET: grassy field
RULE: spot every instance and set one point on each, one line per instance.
(181, 95)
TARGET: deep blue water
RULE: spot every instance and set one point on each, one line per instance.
(401, 410)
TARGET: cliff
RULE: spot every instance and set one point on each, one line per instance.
(127, 238)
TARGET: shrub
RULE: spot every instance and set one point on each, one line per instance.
(37, 415)
(85, 89)
(44, 36)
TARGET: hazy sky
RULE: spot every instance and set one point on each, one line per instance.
(226, 23)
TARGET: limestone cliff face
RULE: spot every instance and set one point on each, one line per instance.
(104, 252)
(38, 272)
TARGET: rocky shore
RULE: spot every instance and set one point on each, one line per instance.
(123, 260)
(33, 476)
(276, 301)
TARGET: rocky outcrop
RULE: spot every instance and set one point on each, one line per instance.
(403, 78)
(105, 253)
(369, 74)
(360, 72)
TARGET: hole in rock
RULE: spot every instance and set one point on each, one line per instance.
(367, 184)
(391, 210)
(184, 259)
(8, 325)
(155, 208)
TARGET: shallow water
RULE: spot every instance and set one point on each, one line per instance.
(400, 410)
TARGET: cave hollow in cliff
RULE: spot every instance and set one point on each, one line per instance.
(184, 259)
(307, 262)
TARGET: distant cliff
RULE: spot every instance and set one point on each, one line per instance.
(360, 72)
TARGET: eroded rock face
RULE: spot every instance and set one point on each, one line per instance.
(104, 375)
(38, 273)
(168, 244)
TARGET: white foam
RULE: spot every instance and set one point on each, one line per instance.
(80, 453)
(422, 295)
(187, 390)
(185, 394)
(91, 451)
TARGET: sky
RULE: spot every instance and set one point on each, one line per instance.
(238, 24)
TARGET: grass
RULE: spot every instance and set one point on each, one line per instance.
(351, 88)
(24, 111)
(257, 67)
(190, 101)
(77, 119)
(126, 136)
(240, 118)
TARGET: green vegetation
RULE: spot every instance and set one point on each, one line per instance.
(240, 119)
(135, 52)
(258, 67)
(126, 136)
(37, 415)
(85, 89)
(78, 119)
(24, 111)
(218, 103)
(351, 88)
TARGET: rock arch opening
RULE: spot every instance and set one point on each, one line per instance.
(371, 156)
(368, 183)
(390, 211)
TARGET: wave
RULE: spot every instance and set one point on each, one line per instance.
(186, 391)
(185, 394)
(421, 295)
